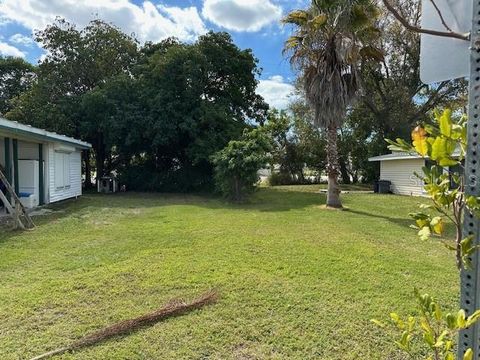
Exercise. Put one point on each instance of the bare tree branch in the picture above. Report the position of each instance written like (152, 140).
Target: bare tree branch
(444, 23)
(405, 23)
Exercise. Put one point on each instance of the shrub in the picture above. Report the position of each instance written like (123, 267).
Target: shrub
(237, 165)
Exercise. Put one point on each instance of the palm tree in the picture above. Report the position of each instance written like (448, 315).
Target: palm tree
(330, 40)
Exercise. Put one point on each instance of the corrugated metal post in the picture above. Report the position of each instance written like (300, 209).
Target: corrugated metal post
(470, 286)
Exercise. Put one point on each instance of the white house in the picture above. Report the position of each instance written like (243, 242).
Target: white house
(399, 168)
(42, 166)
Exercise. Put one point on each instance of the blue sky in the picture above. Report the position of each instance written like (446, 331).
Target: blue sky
(253, 24)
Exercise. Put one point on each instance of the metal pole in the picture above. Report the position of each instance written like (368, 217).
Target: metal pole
(470, 287)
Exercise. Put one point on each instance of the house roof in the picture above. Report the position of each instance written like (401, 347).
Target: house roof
(15, 128)
(395, 156)
(399, 155)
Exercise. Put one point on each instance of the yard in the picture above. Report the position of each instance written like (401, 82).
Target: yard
(297, 281)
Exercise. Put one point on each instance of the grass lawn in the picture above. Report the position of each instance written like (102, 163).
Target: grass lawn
(296, 281)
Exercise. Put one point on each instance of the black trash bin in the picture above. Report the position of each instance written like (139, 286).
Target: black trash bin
(375, 186)
(384, 186)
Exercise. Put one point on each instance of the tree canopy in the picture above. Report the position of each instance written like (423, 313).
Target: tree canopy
(161, 109)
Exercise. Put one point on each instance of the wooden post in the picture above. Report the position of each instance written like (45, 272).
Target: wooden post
(19, 211)
(16, 176)
(41, 175)
(8, 160)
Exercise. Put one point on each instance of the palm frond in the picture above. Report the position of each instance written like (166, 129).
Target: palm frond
(318, 21)
(296, 17)
(329, 41)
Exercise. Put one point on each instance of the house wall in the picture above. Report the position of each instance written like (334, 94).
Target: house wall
(74, 188)
(401, 174)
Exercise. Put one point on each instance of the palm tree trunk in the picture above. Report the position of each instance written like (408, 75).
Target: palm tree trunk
(333, 193)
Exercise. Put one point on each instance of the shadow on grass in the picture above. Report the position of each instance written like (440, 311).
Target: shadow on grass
(398, 221)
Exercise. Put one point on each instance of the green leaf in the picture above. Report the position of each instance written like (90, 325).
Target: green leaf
(472, 319)
(468, 355)
(461, 319)
(451, 321)
(445, 122)
(437, 225)
(397, 321)
(439, 148)
(447, 162)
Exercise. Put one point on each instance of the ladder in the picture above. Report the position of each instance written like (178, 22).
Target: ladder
(15, 208)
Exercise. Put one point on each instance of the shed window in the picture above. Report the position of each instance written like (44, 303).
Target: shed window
(62, 170)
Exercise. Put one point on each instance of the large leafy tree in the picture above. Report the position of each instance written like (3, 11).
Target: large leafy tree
(330, 40)
(77, 62)
(197, 98)
(183, 103)
(16, 76)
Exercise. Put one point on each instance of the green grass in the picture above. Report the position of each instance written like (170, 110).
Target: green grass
(297, 281)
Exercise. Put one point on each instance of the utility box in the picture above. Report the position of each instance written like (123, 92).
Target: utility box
(384, 186)
(108, 184)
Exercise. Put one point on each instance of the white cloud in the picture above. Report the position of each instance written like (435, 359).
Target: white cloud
(21, 40)
(241, 15)
(9, 50)
(146, 21)
(276, 92)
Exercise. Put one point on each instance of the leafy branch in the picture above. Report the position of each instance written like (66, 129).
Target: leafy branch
(435, 328)
(444, 143)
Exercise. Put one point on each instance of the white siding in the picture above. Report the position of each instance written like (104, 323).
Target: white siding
(74, 164)
(401, 174)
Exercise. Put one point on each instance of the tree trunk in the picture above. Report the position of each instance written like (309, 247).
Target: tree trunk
(88, 170)
(333, 193)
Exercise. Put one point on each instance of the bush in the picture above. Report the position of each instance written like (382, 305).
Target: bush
(237, 165)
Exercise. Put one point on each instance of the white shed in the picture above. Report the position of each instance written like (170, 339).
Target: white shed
(42, 166)
(400, 168)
